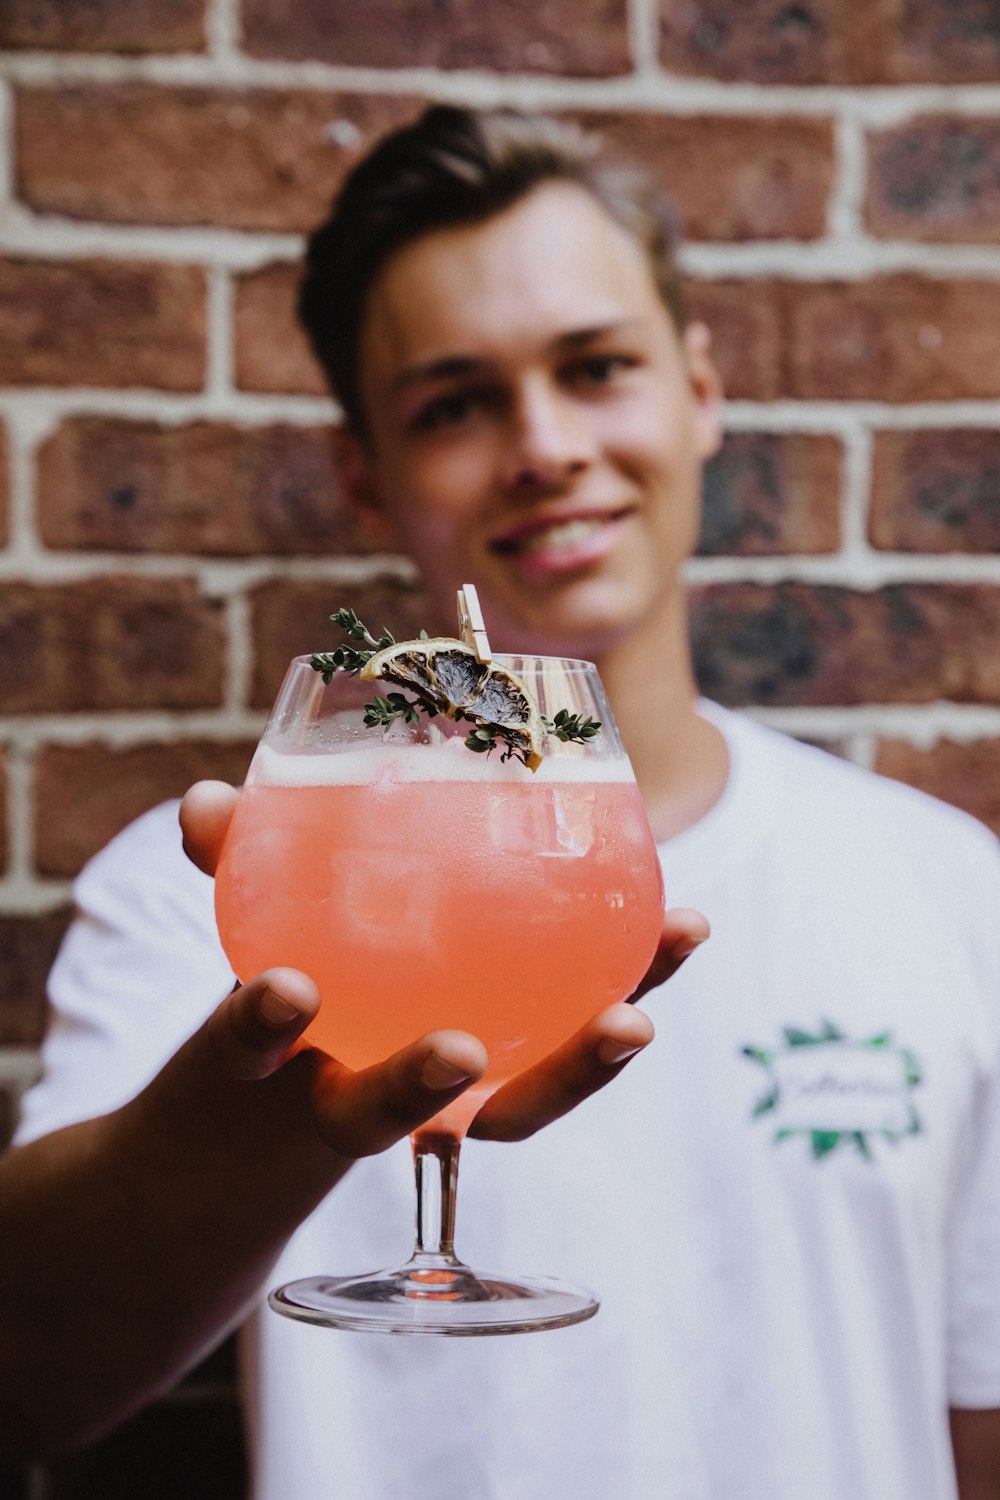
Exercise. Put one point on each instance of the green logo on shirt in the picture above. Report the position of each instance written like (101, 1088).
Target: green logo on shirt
(837, 1092)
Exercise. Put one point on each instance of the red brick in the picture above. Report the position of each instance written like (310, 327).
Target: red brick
(733, 177)
(104, 25)
(101, 323)
(243, 158)
(936, 178)
(4, 487)
(290, 617)
(966, 774)
(946, 41)
(832, 41)
(772, 493)
(895, 338)
(202, 487)
(797, 644)
(770, 41)
(902, 337)
(272, 352)
(570, 37)
(936, 491)
(85, 794)
(27, 947)
(109, 643)
(747, 324)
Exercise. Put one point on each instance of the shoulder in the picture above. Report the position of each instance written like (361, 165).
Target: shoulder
(818, 790)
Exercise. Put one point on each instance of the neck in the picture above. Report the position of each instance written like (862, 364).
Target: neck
(679, 759)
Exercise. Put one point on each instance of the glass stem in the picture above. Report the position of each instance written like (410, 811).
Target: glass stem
(435, 1160)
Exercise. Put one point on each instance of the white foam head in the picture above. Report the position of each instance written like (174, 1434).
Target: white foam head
(450, 761)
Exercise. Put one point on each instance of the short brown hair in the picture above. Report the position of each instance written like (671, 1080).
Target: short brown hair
(459, 166)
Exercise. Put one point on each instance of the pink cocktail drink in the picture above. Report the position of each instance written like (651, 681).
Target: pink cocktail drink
(421, 886)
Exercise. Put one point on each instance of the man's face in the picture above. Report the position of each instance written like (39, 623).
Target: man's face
(536, 425)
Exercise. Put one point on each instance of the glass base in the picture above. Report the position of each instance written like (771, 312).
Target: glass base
(442, 1298)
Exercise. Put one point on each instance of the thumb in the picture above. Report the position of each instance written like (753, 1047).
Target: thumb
(255, 1028)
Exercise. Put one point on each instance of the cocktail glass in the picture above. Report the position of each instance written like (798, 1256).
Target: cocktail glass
(423, 886)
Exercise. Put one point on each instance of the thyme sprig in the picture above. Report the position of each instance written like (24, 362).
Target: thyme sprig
(347, 658)
(381, 712)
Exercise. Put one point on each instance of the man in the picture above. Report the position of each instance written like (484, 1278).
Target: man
(792, 1207)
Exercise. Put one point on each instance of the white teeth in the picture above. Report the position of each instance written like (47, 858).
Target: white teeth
(564, 535)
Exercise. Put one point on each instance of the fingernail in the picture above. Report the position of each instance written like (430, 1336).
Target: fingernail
(275, 1011)
(438, 1074)
(610, 1052)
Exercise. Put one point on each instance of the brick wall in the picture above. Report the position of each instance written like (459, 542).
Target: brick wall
(168, 531)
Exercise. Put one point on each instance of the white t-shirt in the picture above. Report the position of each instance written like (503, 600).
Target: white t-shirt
(790, 1205)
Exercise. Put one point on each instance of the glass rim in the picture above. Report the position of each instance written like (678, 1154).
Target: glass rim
(575, 662)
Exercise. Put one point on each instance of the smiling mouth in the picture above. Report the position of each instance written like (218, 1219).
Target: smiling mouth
(559, 536)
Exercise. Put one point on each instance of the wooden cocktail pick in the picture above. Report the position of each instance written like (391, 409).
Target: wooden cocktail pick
(471, 625)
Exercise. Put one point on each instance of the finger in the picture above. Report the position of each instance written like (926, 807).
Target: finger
(255, 1028)
(360, 1113)
(577, 1069)
(683, 931)
(205, 816)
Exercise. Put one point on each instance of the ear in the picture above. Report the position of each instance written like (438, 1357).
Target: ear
(353, 470)
(706, 386)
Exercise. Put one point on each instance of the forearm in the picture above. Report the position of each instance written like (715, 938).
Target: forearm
(131, 1243)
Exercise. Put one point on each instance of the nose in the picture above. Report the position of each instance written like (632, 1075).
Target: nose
(551, 441)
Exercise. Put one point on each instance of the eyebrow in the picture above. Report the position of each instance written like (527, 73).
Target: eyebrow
(457, 366)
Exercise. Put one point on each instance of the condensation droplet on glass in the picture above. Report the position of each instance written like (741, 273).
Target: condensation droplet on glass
(343, 133)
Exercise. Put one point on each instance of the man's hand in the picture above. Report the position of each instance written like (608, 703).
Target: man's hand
(257, 1028)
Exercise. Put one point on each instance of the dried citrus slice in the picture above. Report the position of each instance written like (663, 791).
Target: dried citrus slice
(450, 678)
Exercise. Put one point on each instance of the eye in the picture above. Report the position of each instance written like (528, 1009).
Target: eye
(451, 409)
(600, 369)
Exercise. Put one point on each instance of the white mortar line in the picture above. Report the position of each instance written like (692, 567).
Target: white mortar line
(48, 236)
(6, 151)
(222, 29)
(878, 104)
(862, 570)
(216, 577)
(922, 724)
(19, 1066)
(855, 493)
(31, 896)
(26, 429)
(861, 749)
(219, 330)
(842, 416)
(854, 259)
(644, 35)
(844, 206)
(167, 407)
(20, 813)
(122, 729)
(239, 653)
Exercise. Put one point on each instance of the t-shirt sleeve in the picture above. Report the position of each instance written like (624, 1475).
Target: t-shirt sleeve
(140, 969)
(973, 1369)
